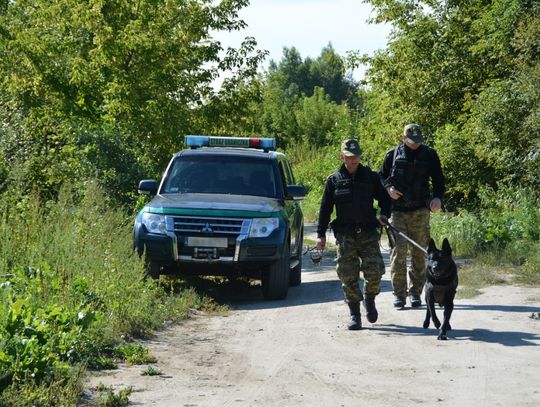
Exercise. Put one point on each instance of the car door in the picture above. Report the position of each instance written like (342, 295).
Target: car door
(293, 211)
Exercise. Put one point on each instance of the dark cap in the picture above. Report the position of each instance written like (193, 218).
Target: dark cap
(414, 132)
(351, 147)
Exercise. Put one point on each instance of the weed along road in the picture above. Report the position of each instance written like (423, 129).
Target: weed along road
(298, 352)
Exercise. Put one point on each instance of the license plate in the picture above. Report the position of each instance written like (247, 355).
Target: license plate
(206, 242)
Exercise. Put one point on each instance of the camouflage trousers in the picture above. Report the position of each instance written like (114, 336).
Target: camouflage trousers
(415, 225)
(355, 252)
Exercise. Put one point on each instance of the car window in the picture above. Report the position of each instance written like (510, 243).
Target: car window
(290, 175)
(285, 176)
(221, 175)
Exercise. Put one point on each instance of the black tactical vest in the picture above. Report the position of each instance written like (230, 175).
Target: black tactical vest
(412, 177)
(353, 199)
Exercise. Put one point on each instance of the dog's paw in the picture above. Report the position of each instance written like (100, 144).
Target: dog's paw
(437, 324)
(426, 324)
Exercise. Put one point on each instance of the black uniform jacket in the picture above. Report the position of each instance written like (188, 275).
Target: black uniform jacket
(410, 171)
(352, 196)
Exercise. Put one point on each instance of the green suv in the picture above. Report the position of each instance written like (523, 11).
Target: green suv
(226, 206)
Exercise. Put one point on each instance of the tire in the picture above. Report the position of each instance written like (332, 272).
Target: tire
(295, 278)
(275, 279)
(153, 270)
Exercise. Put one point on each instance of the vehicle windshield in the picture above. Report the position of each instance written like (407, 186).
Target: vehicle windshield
(221, 175)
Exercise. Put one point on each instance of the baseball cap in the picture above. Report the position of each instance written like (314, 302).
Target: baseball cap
(350, 147)
(414, 132)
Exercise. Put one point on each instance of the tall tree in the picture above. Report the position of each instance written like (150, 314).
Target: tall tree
(328, 72)
(453, 66)
(138, 68)
(311, 100)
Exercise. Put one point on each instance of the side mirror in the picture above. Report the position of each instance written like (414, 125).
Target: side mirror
(148, 187)
(295, 192)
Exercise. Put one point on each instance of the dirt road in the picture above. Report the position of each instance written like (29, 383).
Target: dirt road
(297, 352)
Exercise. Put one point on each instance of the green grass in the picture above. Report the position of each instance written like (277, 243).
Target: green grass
(134, 354)
(309, 242)
(502, 240)
(311, 167)
(70, 289)
(109, 398)
(57, 392)
(151, 371)
(474, 277)
(500, 266)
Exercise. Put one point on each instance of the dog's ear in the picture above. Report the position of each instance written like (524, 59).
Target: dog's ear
(446, 246)
(431, 246)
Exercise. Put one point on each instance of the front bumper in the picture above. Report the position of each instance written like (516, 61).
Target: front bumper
(173, 248)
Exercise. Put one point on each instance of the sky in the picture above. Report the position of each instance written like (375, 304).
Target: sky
(309, 25)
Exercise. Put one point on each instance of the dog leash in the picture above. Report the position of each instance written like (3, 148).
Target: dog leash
(403, 235)
(315, 254)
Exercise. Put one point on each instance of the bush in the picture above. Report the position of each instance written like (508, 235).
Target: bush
(464, 231)
(70, 288)
(311, 167)
(506, 231)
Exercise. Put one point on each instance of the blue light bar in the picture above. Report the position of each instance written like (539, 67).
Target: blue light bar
(245, 142)
(196, 141)
(266, 143)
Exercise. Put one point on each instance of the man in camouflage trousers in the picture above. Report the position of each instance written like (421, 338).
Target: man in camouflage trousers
(406, 173)
(351, 190)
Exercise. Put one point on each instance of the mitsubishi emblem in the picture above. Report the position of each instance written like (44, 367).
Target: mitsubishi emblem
(207, 228)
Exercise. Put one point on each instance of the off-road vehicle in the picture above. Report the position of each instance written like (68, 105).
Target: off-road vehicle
(225, 206)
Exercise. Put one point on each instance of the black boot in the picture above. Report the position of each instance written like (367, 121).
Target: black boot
(371, 311)
(355, 323)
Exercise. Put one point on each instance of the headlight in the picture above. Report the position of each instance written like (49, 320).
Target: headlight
(262, 227)
(154, 223)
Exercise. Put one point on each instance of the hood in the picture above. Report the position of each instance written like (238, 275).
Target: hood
(211, 203)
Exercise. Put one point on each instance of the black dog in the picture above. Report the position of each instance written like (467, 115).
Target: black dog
(441, 285)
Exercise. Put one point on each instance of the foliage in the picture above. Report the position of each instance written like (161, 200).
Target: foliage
(328, 71)
(57, 392)
(505, 232)
(321, 122)
(506, 216)
(134, 354)
(311, 167)
(95, 94)
(71, 287)
(151, 371)
(308, 101)
(37, 341)
(468, 72)
(109, 398)
(473, 277)
(134, 72)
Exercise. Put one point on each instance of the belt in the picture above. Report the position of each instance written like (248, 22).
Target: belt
(354, 230)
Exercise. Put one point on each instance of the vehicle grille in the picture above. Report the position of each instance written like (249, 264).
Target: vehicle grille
(231, 228)
(195, 226)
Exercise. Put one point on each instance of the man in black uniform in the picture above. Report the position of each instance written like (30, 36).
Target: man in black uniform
(351, 189)
(406, 173)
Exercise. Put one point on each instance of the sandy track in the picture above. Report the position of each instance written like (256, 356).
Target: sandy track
(297, 352)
